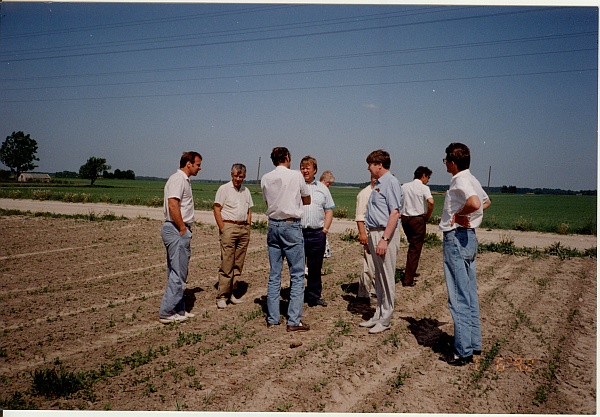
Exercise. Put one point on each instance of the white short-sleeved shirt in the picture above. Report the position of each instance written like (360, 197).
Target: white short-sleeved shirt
(178, 186)
(320, 200)
(234, 204)
(462, 186)
(283, 190)
(361, 203)
(416, 195)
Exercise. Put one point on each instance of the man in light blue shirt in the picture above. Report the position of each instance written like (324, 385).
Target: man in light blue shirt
(316, 221)
(383, 214)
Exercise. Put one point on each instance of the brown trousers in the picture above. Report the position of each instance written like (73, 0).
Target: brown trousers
(415, 228)
(234, 241)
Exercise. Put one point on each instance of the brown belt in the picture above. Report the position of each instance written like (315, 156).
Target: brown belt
(234, 222)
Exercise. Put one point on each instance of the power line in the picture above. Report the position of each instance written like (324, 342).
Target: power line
(273, 74)
(282, 89)
(280, 37)
(319, 58)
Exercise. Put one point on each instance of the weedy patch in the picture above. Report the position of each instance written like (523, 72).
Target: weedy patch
(349, 235)
(56, 383)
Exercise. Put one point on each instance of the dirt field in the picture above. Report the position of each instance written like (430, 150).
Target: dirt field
(84, 296)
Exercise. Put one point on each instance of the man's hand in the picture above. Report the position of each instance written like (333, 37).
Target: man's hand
(382, 246)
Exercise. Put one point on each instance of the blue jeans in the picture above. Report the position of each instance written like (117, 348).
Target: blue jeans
(460, 250)
(285, 239)
(178, 258)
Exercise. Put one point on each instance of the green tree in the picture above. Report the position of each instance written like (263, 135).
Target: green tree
(18, 152)
(92, 169)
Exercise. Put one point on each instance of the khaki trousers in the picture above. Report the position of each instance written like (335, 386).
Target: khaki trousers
(385, 271)
(234, 240)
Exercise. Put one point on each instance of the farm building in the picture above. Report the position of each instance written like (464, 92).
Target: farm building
(34, 177)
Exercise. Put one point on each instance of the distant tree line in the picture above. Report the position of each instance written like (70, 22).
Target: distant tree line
(120, 175)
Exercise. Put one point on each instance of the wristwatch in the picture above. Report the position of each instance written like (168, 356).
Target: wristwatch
(387, 239)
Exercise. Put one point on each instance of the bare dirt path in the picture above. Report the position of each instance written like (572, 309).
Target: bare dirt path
(521, 239)
(82, 296)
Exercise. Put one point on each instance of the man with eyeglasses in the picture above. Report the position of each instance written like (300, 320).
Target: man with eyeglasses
(462, 214)
(416, 211)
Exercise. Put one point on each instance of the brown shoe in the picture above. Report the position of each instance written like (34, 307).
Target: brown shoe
(302, 327)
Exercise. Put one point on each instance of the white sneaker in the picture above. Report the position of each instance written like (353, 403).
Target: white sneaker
(189, 315)
(221, 303)
(378, 328)
(172, 319)
(368, 323)
(235, 300)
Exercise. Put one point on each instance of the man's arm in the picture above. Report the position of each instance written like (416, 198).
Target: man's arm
(218, 217)
(429, 208)
(487, 203)
(328, 220)
(249, 216)
(175, 213)
(389, 230)
(306, 200)
(462, 216)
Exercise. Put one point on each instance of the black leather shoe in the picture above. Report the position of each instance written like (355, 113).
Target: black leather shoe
(317, 303)
(453, 361)
(476, 352)
(269, 325)
(411, 284)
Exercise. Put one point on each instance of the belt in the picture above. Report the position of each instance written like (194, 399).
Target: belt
(375, 229)
(244, 223)
(316, 229)
(289, 220)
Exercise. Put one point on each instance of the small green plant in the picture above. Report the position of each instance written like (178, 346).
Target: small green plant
(340, 212)
(392, 339)
(261, 225)
(284, 407)
(432, 240)
(190, 370)
(398, 381)
(349, 235)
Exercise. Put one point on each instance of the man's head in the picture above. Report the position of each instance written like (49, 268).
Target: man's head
(379, 162)
(422, 173)
(190, 163)
(238, 174)
(308, 168)
(458, 157)
(327, 178)
(281, 156)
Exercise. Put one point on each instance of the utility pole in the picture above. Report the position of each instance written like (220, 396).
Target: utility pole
(258, 172)
(489, 176)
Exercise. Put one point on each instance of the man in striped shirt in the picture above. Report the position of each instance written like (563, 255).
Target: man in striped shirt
(316, 221)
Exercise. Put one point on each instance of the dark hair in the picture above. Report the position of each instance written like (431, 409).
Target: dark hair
(188, 157)
(238, 168)
(279, 154)
(460, 154)
(420, 171)
(380, 157)
(309, 160)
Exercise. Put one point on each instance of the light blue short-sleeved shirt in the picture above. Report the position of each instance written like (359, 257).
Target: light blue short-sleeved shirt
(387, 195)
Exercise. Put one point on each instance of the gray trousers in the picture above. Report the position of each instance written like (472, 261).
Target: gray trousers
(178, 258)
(385, 270)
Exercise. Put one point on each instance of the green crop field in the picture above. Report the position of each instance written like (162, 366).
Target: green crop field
(545, 213)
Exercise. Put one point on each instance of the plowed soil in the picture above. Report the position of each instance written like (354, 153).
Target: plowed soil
(82, 297)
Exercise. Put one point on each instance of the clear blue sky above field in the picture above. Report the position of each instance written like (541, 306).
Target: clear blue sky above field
(138, 84)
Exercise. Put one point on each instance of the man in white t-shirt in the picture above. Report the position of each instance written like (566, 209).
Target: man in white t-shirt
(416, 211)
(178, 210)
(462, 214)
(285, 193)
(233, 216)
(366, 283)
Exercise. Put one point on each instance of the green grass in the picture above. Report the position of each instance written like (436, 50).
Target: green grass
(545, 213)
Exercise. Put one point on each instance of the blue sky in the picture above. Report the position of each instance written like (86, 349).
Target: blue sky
(138, 84)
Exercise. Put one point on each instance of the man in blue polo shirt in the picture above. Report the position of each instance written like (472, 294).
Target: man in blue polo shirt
(383, 214)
